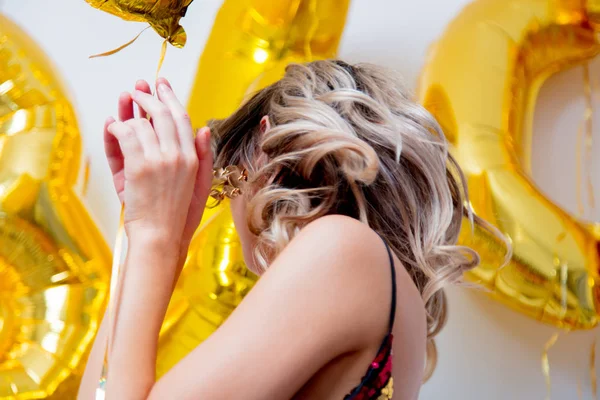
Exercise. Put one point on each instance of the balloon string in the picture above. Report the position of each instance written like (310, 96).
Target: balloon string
(118, 49)
(86, 177)
(589, 112)
(593, 369)
(578, 183)
(546, 364)
(585, 130)
(564, 290)
(163, 53)
(563, 268)
(113, 305)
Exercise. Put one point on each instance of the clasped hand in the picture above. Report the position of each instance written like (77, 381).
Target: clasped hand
(161, 173)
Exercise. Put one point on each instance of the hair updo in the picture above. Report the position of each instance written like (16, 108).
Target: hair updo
(348, 139)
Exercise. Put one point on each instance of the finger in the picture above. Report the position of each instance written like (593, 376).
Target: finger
(146, 135)
(180, 116)
(125, 107)
(143, 86)
(165, 81)
(205, 166)
(133, 152)
(164, 126)
(114, 155)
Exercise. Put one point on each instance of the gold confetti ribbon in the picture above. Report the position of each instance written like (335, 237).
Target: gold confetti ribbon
(593, 369)
(163, 50)
(86, 177)
(163, 53)
(589, 138)
(578, 173)
(546, 364)
(118, 49)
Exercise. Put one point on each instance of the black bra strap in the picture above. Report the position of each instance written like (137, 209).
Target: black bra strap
(393, 268)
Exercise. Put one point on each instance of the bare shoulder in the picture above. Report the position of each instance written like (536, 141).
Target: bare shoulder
(351, 247)
(356, 251)
(326, 295)
(357, 268)
(338, 232)
(343, 265)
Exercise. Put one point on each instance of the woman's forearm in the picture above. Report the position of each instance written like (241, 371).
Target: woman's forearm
(95, 361)
(148, 276)
(163, 176)
(93, 367)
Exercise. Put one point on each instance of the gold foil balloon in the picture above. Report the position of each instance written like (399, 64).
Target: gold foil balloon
(212, 284)
(481, 81)
(250, 44)
(54, 264)
(256, 38)
(162, 15)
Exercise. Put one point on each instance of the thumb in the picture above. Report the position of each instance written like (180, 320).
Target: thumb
(112, 148)
(205, 167)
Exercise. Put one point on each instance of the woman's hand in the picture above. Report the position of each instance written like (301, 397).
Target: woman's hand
(161, 173)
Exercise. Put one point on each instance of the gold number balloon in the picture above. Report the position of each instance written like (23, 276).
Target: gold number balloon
(250, 44)
(162, 15)
(252, 38)
(54, 264)
(481, 81)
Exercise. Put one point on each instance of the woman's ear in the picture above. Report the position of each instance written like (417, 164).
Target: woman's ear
(265, 124)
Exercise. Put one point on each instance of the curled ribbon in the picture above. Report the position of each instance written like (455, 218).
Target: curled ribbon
(163, 51)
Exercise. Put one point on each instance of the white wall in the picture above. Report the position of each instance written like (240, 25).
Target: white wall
(486, 351)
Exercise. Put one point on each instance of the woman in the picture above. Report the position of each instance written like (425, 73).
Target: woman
(350, 214)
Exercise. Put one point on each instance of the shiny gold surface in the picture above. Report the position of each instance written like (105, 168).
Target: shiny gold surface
(251, 43)
(54, 263)
(481, 81)
(162, 15)
(212, 284)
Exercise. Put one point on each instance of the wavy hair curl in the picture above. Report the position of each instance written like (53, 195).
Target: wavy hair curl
(348, 139)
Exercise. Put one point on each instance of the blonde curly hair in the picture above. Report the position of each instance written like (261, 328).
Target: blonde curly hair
(348, 139)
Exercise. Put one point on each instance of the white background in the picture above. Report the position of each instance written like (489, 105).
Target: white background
(486, 351)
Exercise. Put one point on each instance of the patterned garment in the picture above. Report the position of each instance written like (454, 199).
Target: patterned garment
(378, 383)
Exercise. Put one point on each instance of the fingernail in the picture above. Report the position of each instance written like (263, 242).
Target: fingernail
(205, 133)
(203, 142)
(162, 88)
(164, 81)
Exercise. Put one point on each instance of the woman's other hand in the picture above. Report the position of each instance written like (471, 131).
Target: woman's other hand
(161, 173)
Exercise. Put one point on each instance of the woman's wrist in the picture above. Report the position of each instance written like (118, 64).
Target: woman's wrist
(153, 259)
(160, 244)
